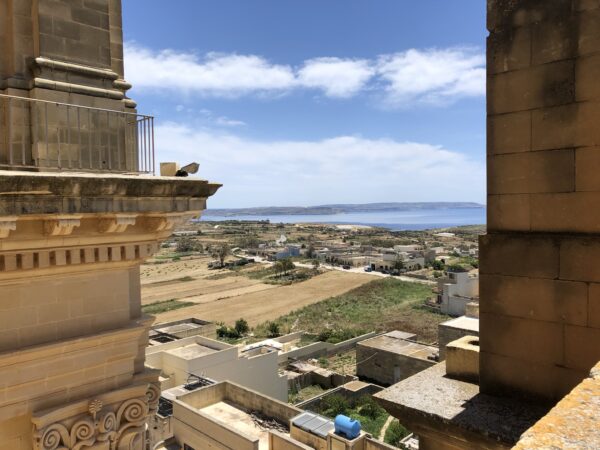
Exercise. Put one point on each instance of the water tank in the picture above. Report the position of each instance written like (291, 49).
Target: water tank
(347, 427)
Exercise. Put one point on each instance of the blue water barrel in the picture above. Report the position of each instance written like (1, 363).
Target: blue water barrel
(347, 427)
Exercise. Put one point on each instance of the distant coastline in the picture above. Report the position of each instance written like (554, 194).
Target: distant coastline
(328, 210)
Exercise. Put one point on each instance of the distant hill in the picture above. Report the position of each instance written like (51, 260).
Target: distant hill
(337, 209)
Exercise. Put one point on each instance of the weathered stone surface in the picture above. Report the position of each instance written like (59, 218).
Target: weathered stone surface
(509, 133)
(535, 299)
(509, 212)
(572, 423)
(457, 410)
(532, 172)
(462, 359)
(53, 193)
(519, 255)
(542, 86)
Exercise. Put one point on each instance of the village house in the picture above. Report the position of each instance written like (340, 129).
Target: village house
(456, 290)
(196, 355)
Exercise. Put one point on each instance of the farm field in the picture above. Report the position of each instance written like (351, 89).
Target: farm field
(236, 295)
(384, 304)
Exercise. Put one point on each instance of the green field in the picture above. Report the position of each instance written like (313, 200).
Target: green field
(167, 305)
(380, 305)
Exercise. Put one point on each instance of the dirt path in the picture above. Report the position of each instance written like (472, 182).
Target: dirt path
(270, 303)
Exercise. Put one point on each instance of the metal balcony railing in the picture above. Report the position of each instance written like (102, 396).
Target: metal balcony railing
(44, 135)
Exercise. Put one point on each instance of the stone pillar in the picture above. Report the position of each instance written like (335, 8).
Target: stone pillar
(540, 261)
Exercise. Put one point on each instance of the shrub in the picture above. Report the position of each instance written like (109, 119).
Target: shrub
(241, 326)
(333, 405)
(437, 265)
(369, 408)
(186, 244)
(395, 433)
(227, 332)
(273, 330)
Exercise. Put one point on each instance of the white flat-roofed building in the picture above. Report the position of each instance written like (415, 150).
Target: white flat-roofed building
(256, 369)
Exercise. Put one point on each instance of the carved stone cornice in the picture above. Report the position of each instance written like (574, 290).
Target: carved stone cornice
(116, 224)
(76, 256)
(165, 222)
(61, 225)
(7, 224)
(115, 420)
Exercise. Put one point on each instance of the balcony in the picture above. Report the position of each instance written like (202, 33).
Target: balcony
(41, 135)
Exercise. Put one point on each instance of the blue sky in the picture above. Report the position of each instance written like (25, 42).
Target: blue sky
(312, 102)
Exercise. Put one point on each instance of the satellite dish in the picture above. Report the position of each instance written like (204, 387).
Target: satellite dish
(191, 168)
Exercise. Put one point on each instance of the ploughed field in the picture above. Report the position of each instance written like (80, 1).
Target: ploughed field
(182, 289)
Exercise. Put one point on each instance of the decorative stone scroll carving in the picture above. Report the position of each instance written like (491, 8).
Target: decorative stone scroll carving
(119, 426)
(116, 224)
(163, 222)
(7, 224)
(61, 225)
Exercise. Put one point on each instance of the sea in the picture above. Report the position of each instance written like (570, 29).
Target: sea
(421, 219)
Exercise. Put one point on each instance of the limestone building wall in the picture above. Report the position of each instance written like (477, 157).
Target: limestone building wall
(385, 367)
(72, 333)
(540, 278)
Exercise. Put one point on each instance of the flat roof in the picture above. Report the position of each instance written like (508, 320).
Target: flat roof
(177, 328)
(463, 323)
(241, 420)
(191, 351)
(389, 343)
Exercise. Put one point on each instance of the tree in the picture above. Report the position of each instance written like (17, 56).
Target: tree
(316, 264)
(186, 244)
(221, 252)
(310, 251)
(398, 264)
(241, 326)
(437, 265)
(287, 264)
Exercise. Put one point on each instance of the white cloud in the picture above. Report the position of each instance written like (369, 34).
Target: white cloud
(215, 74)
(434, 77)
(341, 169)
(335, 76)
(227, 122)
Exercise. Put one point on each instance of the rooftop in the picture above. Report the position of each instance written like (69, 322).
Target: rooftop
(191, 351)
(389, 342)
(249, 423)
(463, 323)
(572, 423)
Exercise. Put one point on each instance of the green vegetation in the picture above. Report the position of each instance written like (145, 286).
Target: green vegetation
(371, 416)
(220, 252)
(380, 305)
(395, 433)
(304, 394)
(469, 262)
(241, 326)
(167, 305)
(186, 244)
(273, 330)
(282, 273)
(172, 256)
(239, 330)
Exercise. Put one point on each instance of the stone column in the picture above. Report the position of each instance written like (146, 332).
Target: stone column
(540, 261)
